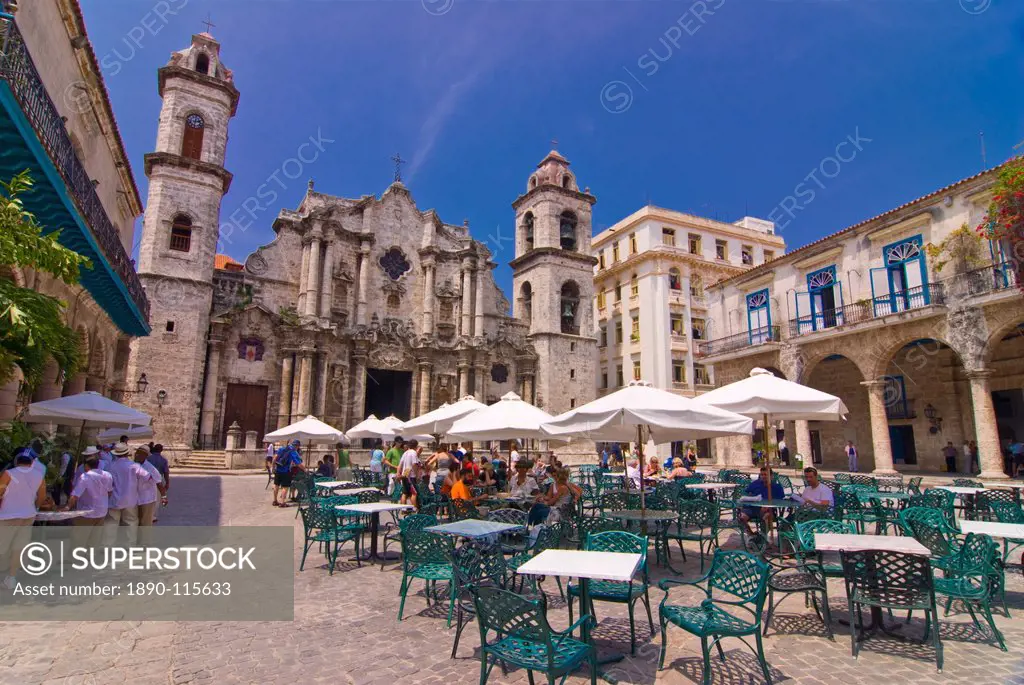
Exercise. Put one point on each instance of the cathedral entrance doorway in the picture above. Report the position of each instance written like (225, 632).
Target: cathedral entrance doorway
(246, 404)
(388, 392)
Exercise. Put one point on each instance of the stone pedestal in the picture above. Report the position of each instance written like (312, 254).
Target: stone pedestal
(234, 441)
(251, 438)
(990, 456)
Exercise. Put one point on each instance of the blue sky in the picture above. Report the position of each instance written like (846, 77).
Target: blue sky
(721, 108)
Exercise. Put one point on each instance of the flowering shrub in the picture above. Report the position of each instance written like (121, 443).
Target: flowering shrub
(1005, 217)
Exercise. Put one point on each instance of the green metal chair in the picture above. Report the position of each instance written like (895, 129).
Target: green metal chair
(320, 527)
(548, 537)
(913, 485)
(798, 572)
(974, 577)
(784, 481)
(697, 522)
(615, 500)
(576, 532)
(515, 541)
(461, 509)
(929, 527)
(734, 589)
(943, 500)
(889, 580)
(842, 478)
(967, 483)
(805, 533)
(427, 557)
(393, 533)
(787, 526)
(618, 592)
(861, 479)
(524, 638)
(1008, 513)
(984, 500)
(475, 566)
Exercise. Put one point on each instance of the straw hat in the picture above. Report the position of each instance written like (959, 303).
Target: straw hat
(89, 451)
(121, 449)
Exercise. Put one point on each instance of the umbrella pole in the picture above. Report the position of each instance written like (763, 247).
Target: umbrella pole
(78, 452)
(767, 442)
(640, 451)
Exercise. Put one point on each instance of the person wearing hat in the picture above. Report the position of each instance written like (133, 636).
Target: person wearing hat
(91, 492)
(124, 501)
(287, 457)
(89, 451)
(150, 490)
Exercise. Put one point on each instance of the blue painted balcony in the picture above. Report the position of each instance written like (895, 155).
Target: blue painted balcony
(33, 137)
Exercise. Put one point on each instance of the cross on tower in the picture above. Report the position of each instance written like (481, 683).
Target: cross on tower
(397, 159)
(209, 24)
(554, 143)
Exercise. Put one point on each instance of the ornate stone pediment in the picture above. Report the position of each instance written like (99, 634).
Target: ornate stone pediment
(447, 289)
(389, 331)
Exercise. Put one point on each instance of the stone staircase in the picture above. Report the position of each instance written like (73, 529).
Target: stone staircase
(203, 459)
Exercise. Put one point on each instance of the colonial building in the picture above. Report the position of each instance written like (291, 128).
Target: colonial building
(358, 306)
(56, 121)
(908, 317)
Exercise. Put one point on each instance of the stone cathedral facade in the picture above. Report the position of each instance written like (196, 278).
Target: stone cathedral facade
(357, 306)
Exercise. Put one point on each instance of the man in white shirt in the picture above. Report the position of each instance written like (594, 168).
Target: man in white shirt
(816, 494)
(91, 493)
(513, 456)
(149, 490)
(124, 501)
(408, 471)
(106, 458)
(633, 473)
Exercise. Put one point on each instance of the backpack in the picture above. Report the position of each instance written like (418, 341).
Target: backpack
(283, 461)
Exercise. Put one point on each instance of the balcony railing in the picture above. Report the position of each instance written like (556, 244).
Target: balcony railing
(865, 310)
(751, 338)
(900, 409)
(988, 279)
(19, 72)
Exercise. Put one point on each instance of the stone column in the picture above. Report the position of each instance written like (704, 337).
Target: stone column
(284, 407)
(9, 399)
(327, 282)
(320, 410)
(803, 442)
(206, 419)
(480, 391)
(528, 390)
(313, 282)
(48, 389)
(305, 378)
(463, 380)
(990, 456)
(478, 326)
(467, 299)
(363, 279)
(879, 426)
(428, 298)
(75, 385)
(300, 304)
(359, 388)
(424, 405)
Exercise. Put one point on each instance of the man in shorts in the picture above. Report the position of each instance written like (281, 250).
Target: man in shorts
(287, 457)
(409, 472)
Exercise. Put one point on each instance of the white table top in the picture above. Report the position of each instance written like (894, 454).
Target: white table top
(835, 542)
(710, 486)
(354, 491)
(1016, 485)
(63, 515)
(571, 563)
(959, 490)
(336, 484)
(374, 507)
(995, 529)
(474, 528)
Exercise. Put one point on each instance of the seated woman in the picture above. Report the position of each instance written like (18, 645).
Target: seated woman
(653, 469)
(487, 478)
(560, 499)
(679, 470)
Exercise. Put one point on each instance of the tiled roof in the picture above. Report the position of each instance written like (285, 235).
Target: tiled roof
(800, 250)
(222, 262)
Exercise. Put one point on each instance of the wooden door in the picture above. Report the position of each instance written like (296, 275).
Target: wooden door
(246, 404)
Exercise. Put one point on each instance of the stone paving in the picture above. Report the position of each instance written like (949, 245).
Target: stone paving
(345, 631)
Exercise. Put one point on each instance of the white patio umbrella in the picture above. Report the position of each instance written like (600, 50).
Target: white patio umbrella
(440, 420)
(113, 434)
(625, 414)
(509, 419)
(311, 430)
(763, 394)
(86, 410)
(383, 429)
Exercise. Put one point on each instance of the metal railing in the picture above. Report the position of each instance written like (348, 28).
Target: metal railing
(865, 310)
(987, 279)
(900, 409)
(751, 338)
(20, 74)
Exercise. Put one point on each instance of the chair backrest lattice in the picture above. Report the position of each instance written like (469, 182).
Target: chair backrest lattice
(967, 483)
(806, 530)
(895, 579)
(985, 500)
(842, 478)
(463, 509)
(511, 615)
(508, 515)
(617, 541)
(368, 496)
(416, 522)
(478, 564)
(1007, 512)
(861, 479)
(914, 485)
(615, 500)
(318, 518)
(698, 513)
(739, 574)
(421, 547)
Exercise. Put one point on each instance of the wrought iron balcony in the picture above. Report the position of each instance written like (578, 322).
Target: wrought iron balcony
(988, 279)
(91, 233)
(865, 310)
(900, 409)
(752, 338)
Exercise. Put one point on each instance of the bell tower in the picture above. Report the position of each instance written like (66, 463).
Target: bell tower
(553, 283)
(187, 181)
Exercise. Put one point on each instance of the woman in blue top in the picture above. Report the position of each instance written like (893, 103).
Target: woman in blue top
(377, 459)
(767, 489)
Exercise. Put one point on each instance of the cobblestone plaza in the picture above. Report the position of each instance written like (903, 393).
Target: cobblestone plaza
(346, 631)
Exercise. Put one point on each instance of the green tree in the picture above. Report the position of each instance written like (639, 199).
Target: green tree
(32, 327)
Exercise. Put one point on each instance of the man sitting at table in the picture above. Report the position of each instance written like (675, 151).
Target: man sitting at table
(816, 494)
(460, 490)
(765, 488)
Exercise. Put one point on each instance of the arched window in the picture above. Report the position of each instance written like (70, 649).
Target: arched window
(526, 303)
(192, 140)
(533, 182)
(528, 230)
(567, 230)
(569, 309)
(696, 286)
(203, 63)
(675, 281)
(181, 233)
(566, 181)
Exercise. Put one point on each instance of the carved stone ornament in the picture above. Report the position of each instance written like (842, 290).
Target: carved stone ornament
(446, 289)
(256, 264)
(387, 356)
(250, 349)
